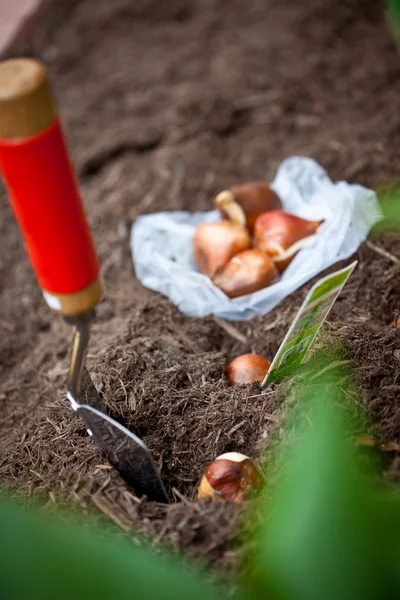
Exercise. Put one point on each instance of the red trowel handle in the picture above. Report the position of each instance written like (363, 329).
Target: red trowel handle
(35, 166)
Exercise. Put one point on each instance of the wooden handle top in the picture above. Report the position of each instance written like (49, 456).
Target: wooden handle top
(26, 104)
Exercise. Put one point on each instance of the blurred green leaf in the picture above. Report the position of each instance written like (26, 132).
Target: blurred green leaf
(389, 200)
(324, 535)
(389, 510)
(393, 12)
(43, 558)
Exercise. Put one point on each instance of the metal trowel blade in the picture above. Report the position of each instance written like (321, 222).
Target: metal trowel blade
(126, 452)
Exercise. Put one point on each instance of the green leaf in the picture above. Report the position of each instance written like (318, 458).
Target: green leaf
(388, 505)
(389, 200)
(393, 12)
(43, 558)
(324, 535)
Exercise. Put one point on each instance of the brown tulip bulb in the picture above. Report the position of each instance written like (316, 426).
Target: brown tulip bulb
(214, 244)
(246, 273)
(395, 323)
(244, 203)
(281, 235)
(230, 476)
(247, 368)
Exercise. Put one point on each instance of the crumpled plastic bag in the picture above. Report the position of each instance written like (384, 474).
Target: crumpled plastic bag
(162, 243)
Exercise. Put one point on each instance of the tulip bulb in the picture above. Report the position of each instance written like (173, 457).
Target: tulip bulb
(214, 244)
(244, 203)
(395, 323)
(281, 235)
(246, 273)
(230, 476)
(247, 368)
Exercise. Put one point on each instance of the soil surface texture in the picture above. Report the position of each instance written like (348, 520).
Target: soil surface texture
(165, 104)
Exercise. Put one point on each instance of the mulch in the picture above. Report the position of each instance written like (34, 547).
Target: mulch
(165, 104)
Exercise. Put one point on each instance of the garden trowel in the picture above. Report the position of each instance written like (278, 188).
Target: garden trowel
(35, 166)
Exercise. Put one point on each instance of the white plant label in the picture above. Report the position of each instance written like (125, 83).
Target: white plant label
(307, 323)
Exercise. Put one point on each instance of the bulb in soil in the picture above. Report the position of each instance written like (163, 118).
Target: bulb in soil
(281, 235)
(245, 273)
(214, 244)
(244, 203)
(395, 323)
(230, 476)
(247, 368)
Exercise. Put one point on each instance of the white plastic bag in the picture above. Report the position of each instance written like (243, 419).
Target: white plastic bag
(162, 243)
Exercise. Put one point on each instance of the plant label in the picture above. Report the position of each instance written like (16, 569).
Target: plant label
(307, 323)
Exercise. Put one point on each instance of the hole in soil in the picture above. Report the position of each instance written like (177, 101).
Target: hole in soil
(187, 421)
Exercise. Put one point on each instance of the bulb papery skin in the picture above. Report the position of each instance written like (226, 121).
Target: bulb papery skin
(247, 368)
(245, 273)
(230, 476)
(242, 204)
(214, 244)
(281, 235)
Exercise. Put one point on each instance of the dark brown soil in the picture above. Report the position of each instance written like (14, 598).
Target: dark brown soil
(164, 104)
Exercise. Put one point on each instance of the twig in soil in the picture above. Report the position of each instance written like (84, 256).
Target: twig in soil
(256, 100)
(38, 475)
(382, 252)
(272, 418)
(180, 496)
(369, 442)
(266, 416)
(160, 535)
(260, 395)
(54, 425)
(147, 200)
(231, 330)
(236, 427)
(105, 508)
(7, 326)
(104, 485)
(132, 498)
